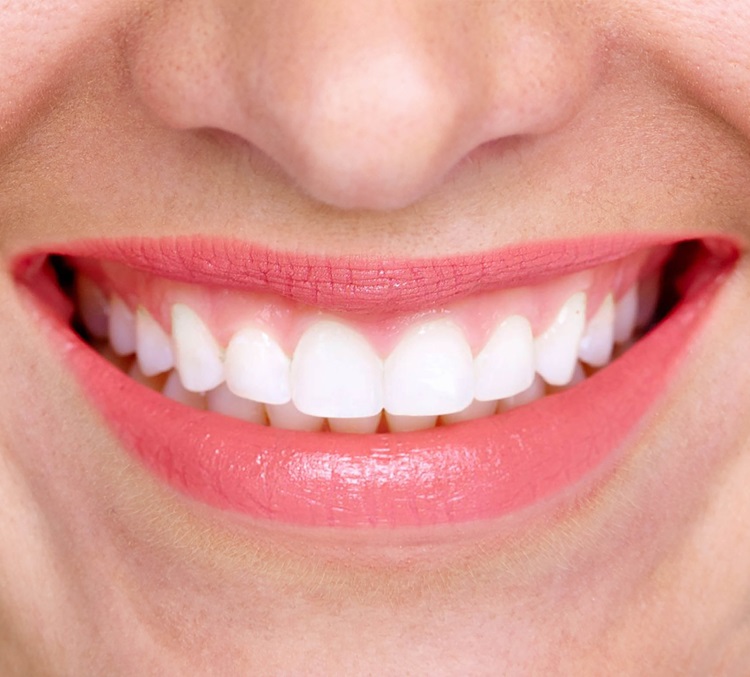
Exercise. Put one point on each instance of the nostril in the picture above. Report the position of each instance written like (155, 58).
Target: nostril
(362, 105)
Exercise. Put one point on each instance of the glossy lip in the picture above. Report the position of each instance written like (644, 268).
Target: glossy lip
(471, 471)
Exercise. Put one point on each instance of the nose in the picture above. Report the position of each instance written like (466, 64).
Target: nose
(368, 104)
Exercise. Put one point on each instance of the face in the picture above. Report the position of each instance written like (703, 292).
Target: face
(463, 214)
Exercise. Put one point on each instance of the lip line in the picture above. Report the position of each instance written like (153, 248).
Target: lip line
(477, 470)
(355, 284)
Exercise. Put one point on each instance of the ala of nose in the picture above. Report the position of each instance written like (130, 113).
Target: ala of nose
(360, 109)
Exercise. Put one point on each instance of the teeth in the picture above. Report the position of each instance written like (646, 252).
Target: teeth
(626, 314)
(506, 364)
(534, 392)
(174, 390)
(598, 339)
(153, 382)
(257, 368)
(287, 416)
(335, 379)
(430, 372)
(224, 401)
(336, 373)
(362, 426)
(152, 344)
(93, 307)
(197, 355)
(557, 348)
(477, 409)
(407, 424)
(121, 327)
(578, 375)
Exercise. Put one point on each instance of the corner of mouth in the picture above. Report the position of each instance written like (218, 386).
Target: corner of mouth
(395, 453)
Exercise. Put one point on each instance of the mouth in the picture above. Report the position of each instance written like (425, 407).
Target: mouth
(354, 392)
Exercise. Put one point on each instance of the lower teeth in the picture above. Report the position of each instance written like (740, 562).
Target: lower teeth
(222, 401)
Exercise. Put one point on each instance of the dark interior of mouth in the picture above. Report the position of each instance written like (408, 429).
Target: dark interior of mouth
(688, 263)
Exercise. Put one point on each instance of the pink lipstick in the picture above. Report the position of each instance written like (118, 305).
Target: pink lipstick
(467, 471)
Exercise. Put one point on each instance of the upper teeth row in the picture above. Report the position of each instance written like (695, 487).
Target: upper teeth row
(335, 373)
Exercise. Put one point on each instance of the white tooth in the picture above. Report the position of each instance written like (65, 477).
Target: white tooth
(93, 307)
(361, 426)
(336, 373)
(578, 375)
(174, 390)
(626, 314)
(407, 424)
(197, 355)
(506, 364)
(556, 349)
(477, 409)
(534, 392)
(153, 382)
(152, 344)
(224, 401)
(648, 299)
(287, 416)
(257, 368)
(430, 372)
(599, 337)
(121, 327)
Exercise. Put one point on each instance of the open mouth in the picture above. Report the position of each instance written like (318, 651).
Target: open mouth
(348, 394)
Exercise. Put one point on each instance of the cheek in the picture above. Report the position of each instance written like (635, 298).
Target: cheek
(39, 50)
(702, 47)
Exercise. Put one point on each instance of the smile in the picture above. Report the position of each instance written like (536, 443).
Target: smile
(352, 393)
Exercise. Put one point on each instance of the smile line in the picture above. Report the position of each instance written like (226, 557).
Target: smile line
(474, 470)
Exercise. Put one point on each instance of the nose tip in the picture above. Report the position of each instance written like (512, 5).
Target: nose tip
(363, 105)
(373, 132)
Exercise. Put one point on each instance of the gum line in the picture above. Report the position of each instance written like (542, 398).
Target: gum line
(225, 311)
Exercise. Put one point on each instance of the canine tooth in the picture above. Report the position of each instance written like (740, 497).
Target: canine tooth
(93, 307)
(336, 373)
(153, 346)
(599, 337)
(505, 366)
(224, 401)
(257, 368)
(407, 424)
(121, 327)
(287, 416)
(534, 392)
(174, 390)
(648, 299)
(430, 372)
(363, 426)
(477, 409)
(557, 348)
(197, 355)
(626, 314)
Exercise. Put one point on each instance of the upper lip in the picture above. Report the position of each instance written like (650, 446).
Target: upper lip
(354, 284)
(457, 473)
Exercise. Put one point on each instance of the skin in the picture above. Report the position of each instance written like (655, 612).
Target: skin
(380, 127)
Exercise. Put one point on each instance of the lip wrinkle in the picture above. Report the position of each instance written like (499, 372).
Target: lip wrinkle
(357, 284)
(476, 470)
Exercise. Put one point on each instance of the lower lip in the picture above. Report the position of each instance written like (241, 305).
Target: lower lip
(476, 470)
